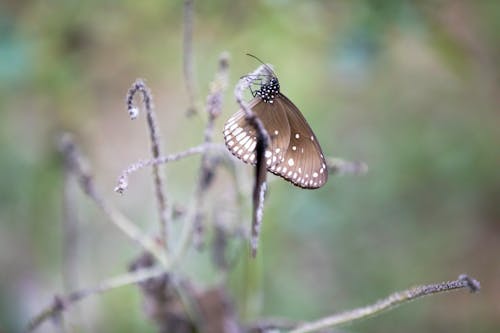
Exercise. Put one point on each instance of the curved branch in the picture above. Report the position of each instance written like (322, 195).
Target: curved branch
(140, 86)
(389, 302)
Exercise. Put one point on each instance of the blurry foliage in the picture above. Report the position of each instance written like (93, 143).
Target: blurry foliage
(410, 87)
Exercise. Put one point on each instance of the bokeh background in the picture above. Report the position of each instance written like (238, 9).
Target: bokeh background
(409, 87)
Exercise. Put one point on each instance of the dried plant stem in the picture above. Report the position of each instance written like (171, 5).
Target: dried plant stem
(75, 161)
(70, 230)
(262, 143)
(188, 61)
(161, 199)
(141, 164)
(61, 303)
(389, 302)
(187, 230)
(214, 109)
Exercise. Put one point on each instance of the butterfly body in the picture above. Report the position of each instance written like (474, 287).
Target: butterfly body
(293, 152)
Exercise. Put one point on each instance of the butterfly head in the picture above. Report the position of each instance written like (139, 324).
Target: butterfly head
(269, 91)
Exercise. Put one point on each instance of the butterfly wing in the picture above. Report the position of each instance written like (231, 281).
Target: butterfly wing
(304, 164)
(293, 153)
(240, 137)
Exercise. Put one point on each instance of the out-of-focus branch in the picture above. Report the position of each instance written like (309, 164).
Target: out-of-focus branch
(339, 166)
(61, 303)
(82, 173)
(389, 302)
(161, 198)
(214, 109)
(70, 229)
(188, 58)
(260, 165)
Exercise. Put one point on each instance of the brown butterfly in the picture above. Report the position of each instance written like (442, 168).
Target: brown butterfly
(293, 152)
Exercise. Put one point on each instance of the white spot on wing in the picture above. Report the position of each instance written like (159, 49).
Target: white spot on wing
(240, 136)
(297, 136)
(237, 131)
(291, 162)
(245, 140)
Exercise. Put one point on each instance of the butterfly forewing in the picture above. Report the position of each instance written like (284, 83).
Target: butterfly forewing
(240, 136)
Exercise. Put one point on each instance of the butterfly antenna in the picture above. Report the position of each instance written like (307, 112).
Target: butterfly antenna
(258, 59)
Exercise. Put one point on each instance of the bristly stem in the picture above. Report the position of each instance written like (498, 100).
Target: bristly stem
(141, 164)
(188, 61)
(161, 199)
(262, 143)
(389, 302)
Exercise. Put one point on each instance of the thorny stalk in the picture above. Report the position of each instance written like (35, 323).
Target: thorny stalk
(161, 199)
(389, 302)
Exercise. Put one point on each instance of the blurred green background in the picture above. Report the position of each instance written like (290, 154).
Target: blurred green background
(409, 87)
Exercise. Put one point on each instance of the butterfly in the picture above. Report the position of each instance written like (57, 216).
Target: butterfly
(293, 152)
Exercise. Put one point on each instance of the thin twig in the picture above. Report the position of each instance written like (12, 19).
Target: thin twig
(339, 166)
(141, 164)
(262, 143)
(82, 173)
(61, 303)
(389, 302)
(188, 62)
(70, 229)
(214, 109)
(161, 199)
